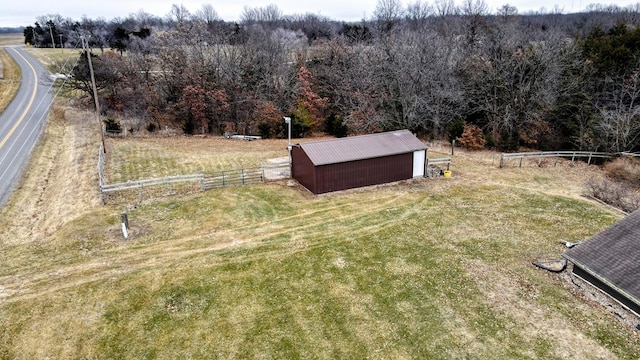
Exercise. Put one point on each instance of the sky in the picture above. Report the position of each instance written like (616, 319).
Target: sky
(16, 13)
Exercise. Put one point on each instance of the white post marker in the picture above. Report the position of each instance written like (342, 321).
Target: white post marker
(125, 233)
(124, 222)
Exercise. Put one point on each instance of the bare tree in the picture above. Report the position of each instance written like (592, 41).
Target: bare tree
(619, 121)
(417, 14)
(513, 82)
(445, 8)
(144, 19)
(416, 82)
(506, 11)
(270, 15)
(207, 14)
(445, 13)
(388, 13)
(475, 12)
(179, 14)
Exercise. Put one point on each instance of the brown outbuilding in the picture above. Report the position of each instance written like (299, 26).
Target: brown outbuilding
(357, 161)
(610, 261)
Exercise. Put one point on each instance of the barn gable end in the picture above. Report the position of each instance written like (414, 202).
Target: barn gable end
(609, 261)
(345, 163)
(303, 169)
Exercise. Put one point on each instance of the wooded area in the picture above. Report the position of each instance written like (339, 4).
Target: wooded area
(544, 80)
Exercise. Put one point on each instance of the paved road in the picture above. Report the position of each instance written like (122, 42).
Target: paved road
(22, 122)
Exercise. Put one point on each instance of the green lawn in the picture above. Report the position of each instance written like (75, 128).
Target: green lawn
(430, 269)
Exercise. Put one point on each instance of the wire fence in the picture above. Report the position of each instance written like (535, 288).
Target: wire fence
(540, 155)
(145, 189)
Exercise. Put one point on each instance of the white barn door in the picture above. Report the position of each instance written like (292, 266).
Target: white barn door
(418, 163)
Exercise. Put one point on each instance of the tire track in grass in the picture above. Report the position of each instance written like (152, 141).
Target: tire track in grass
(167, 252)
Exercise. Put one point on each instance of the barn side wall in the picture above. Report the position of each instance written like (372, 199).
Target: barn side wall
(353, 174)
(302, 169)
(607, 289)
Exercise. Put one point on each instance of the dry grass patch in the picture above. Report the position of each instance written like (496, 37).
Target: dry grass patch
(61, 184)
(544, 325)
(625, 169)
(11, 39)
(10, 81)
(52, 58)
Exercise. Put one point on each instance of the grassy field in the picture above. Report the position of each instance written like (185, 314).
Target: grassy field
(11, 39)
(56, 59)
(10, 81)
(435, 268)
(139, 158)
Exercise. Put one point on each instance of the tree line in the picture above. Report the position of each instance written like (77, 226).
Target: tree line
(543, 80)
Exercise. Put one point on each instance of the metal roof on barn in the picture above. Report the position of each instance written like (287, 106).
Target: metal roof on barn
(361, 147)
(613, 256)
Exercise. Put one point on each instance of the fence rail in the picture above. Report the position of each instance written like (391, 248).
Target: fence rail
(432, 168)
(589, 155)
(630, 154)
(233, 178)
(152, 182)
(170, 185)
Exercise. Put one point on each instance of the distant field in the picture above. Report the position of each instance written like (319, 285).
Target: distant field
(11, 39)
(53, 58)
(436, 268)
(10, 81)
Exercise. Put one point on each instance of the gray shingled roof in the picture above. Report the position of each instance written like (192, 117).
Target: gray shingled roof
(361, 147)
(613, 256)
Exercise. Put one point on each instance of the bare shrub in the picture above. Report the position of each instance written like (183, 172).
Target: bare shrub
(625, 169)
(618, 195)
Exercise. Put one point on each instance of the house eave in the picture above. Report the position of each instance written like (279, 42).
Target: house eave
(615, 288)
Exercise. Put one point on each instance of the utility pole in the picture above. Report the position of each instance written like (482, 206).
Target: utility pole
(95, 91)
(287, 120)
(53, 42)
(61, 45)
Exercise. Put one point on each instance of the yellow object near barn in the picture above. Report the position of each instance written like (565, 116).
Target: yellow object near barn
(447, 174)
